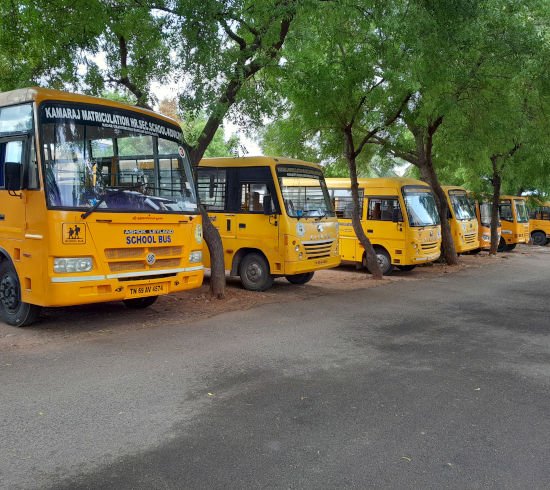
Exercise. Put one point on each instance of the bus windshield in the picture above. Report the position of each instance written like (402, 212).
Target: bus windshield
(521, 211)
(485, 209)
(109, 159)
(421, 207)
(461, 205)
(304, 191)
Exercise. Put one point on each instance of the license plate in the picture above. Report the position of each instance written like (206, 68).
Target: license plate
(147, 290)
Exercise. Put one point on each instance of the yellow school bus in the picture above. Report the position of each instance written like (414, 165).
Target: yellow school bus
(483, 214)
(515, 222)
(398, 215)
(274, 216)
(462, 218)
(539, 223)
(97, 203)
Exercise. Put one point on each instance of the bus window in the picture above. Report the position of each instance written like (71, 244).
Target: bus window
(343, 202)
(252, 197)
(521, 211)
(211, 184)
(505, 210)
(383, 209)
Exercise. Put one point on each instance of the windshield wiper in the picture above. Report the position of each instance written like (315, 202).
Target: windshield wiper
(101, 200)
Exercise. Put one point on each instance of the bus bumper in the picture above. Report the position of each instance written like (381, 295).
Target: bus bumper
(312, 265)
(71, 291)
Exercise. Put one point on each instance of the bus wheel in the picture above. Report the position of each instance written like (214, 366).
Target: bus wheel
(384, 261)
(539, 238)
(501, 245)
(509, 248)
(406, 268)
(254, 272)
(139, 303)
(300, 278)
(12, 310)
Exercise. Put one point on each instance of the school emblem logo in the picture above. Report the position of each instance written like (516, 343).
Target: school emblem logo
(151, 258)
(300, 229)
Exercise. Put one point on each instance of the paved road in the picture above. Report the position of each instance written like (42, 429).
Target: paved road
(443, 383)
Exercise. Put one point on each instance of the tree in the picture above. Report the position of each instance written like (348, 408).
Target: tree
(337, 93)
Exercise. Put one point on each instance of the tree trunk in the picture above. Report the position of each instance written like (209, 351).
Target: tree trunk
(496, 181)
(372, 259)
(215, 249)
(424, 145)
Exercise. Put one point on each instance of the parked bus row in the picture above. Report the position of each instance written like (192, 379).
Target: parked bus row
(98, 202)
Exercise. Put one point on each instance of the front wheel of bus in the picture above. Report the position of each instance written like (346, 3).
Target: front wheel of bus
(501, 245)
(140, 303)
(539, 238)
(299, 278)
(509, 248)
(13, 311)
(384, 261)
(254, 272)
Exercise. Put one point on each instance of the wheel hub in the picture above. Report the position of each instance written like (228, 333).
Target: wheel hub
(254, 272)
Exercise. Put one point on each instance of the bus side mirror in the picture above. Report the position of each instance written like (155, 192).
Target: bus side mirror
(268, 209)
(13, 176)
(396, 215)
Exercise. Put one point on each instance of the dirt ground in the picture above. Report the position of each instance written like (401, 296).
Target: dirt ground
(84, 323)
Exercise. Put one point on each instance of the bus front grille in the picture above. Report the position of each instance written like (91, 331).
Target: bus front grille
(139, 265)
(429, 246)
(318, 249)
(132, 253)
(134, 259)
(470, 238)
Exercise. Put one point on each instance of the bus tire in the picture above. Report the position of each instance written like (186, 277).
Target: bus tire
(384, 261)
(13, 311)
(406, 268)
(255, 273)
(539, 238)
(501, 245)
(509, 248)
(300, 278)
(139, 303)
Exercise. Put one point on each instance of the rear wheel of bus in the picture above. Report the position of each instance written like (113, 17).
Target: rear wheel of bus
(299, 278)
(140, 303)
(539, 238)
(13, 311)
(255, 273)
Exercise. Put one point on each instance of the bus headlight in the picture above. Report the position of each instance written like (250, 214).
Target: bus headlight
(486, 237)
(198, 233)
(195, 256)
(62, 265)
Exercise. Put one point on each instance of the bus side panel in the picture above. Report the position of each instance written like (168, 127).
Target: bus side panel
(350, 248)
(261, 232)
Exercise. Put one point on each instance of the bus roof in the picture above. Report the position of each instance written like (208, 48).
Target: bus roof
(513, 197)
(254, 161)
(394, 182)
(39, 94)
(448, 188)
